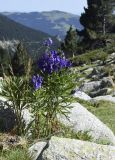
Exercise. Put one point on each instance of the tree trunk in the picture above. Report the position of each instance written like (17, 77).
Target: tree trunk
(104, 25)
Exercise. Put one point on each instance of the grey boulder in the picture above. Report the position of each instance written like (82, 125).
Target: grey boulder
(80, 119)
(71, 149)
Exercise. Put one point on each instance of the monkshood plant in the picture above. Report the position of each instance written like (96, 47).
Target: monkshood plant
(52, 86)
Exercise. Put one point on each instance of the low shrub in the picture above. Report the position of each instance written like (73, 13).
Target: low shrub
(90, 57)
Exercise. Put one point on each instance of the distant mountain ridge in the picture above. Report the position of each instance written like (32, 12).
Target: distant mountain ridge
(32, 39)
(10, 30)
(51, 22)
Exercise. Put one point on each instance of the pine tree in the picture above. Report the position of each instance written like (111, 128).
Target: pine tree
(69, 46)
(105, 15)
(20, 61)
(4, 61)
(96, 20)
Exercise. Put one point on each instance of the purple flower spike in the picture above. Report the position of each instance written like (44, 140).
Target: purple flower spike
(52, 62)
(48, 42)
(37, 81)
(68, 64)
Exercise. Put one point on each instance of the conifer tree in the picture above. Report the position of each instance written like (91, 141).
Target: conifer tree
(69, 46)
(105, 15)
(20, 60)
(96, 20)
(4, 61)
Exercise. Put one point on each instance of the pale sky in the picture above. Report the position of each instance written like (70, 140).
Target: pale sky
(72, 6)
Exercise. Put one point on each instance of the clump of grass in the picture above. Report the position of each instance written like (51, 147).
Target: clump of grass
(67, 132)
(15, 154)
(106, 113)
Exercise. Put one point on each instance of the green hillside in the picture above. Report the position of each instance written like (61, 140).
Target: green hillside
(12, 30)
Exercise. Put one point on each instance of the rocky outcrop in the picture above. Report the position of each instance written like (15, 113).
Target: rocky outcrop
(71, 149)
(97, 88)
(98, 79)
